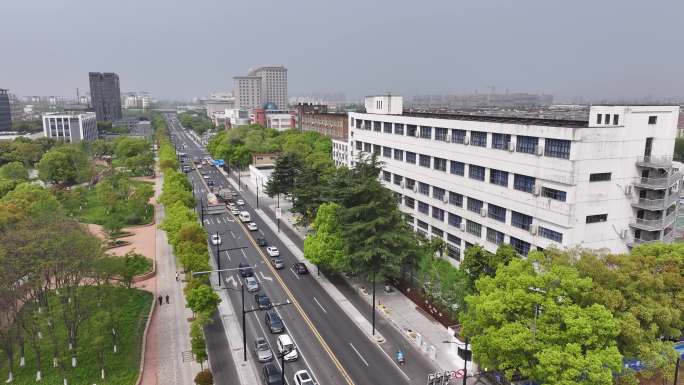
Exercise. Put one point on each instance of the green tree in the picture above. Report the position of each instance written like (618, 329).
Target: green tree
(284, 175)
(479, 262)
(64, 165)
(529, 322)
(204, 378)
(203, 300)
(326, 246)
(14, 170)
(197, 343)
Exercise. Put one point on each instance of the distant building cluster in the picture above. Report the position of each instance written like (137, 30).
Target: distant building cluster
(136, 100)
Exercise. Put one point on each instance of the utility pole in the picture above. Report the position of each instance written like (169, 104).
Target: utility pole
(465, 362)
(677, 369)
(373, 302)
(244, 329)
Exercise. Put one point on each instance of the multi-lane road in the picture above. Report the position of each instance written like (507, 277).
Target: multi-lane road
(331, 347)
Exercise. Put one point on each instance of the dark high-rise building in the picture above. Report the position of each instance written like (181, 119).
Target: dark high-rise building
(5, 117)
(105, 95)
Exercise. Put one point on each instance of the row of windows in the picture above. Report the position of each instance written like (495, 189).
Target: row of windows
(556, 148)
(498, 177)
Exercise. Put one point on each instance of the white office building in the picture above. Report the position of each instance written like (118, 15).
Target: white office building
(279, 120)
(607, 182)
(340, 152)
(70, 127)
(262, 85)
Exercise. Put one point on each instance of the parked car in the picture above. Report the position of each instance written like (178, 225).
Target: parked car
(234, 211)
(262, 351)
(252, 284)
(261, 241)
(302, 377)
(277, 263)
(273, 251)
(271, 375)
(286, 347)
(262, 301)
(215, 239)
(300, 268)
(274, 322)
(252, 226)
(245, 270)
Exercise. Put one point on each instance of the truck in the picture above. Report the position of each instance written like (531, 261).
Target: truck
(225, 194)
(214, 206)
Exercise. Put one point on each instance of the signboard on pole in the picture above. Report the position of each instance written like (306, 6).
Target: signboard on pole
(279, 213)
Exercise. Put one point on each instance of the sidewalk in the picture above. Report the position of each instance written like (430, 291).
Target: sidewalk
(423, 332)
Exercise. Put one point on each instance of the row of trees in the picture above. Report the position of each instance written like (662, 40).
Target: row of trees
(189, 241)
(132, 154)
(24, 150)
(197, 122)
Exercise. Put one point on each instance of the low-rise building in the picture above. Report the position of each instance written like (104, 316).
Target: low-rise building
(331, 125)
(605, 182)
(70, 127)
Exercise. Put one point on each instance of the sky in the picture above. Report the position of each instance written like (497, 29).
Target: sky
(593, 49)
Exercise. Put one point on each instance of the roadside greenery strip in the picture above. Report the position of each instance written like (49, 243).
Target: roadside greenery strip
(188, 238)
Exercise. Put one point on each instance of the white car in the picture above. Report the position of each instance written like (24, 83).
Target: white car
(205, 176)
(240, 202)
(252, 226)
(234, 211)
(272, 251)
(244, 216)
(302, 377)
(215, 239)
(286, 348)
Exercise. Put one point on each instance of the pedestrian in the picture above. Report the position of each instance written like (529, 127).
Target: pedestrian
(160, 300)
(177, 276)
(167, 298)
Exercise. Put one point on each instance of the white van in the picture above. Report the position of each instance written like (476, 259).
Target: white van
(244, 216)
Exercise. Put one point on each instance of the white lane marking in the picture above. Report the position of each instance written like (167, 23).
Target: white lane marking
(358, 354)
(228, 255)
(218, 220)
(231, 279)
(243, 253)
(267, 341)
(293, 273)
(319, 305)
(299, 351)
(265, 277)
(393, 361)
(232, 234)
(261, 232)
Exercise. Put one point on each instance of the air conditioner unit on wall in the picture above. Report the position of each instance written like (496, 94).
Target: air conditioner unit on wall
(511, 147)
(415, 187)
(628, 189)
(533, 229)
(466, 140)
(537, 190)
(445, 199)
(462, 226)
(403, 184)
(624, 233)
(483, 212)
(447, 139)
(416, 133)
(540, 150)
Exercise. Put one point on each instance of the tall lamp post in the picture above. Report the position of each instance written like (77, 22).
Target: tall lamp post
(676, 377)
(463, 353)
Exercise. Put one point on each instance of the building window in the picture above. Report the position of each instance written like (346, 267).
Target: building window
(652, 119)
(524, 183)
(386, 176)
(426, 132)
(376, 148)
(387, 152)
(599, 177)
(607, 119)
(616, 119)
(398, 179)
(424, 161)
(422, 225)
(455, 199)
(411, 130)
(441, 133)
(496, 212)
(522, 247)
(453, 252)
(474, 228)
(476, 172)
(437, 232)
(358, 123)
(475, 205)
(458, 136)
(501, 141)
(387, 128)
(550, 234)
(359, 145)
(376, 126)
(398, 129)
(410, 157)
(454, 239)
(527, 144)
(423, 207)
(495, 237)
(367, 125)
(557, 148)
(521, 220)
(410, 183)
(498, 177)
(398, 154)
(553, 194)
(438, 213)
(423, 188)
(478, 138)
(440, 164)
(438, 193)
(455, 220)
(409, 202)
(457, 168)
(597, 218)
(397, 197)
(409, 218)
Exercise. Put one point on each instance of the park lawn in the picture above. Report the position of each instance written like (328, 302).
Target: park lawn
(89, 209)
(121, 368)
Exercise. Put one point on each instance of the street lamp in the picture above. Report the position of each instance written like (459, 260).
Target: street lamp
(463, 353)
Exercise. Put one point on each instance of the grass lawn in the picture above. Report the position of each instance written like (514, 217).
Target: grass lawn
(121, 368)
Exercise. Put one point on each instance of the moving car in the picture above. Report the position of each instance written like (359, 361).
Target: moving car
(261, 241)
(271, 375)
(300, 268)
(215, 239)
(240, 202)
(262, 351)
(273, 251)
(244, 216)
(277, 263)
(252, 226)
(262, 301)
(252, 284)
(210, 182)
(204, 175)
(286, 347)
(234, 211)
(245, 270)
(302, 377)
(274, 322)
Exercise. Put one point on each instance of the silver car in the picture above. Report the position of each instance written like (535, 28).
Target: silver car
(262, 350)
(252, 284)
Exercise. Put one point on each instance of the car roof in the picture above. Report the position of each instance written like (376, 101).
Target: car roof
(285, 339)
(303, 374)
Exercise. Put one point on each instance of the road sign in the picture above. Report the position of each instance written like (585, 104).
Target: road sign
(279, 213)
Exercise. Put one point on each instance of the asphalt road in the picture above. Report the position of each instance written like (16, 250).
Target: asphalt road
(330, 344)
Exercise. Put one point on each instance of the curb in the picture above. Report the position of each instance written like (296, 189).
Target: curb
(141, 370)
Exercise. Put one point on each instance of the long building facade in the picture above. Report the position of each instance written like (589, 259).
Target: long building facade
(262, 85)
(603, 183)
(105, 95)
(72, 128)
(5, 111)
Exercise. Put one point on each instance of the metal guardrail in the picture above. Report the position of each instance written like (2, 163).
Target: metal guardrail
(655, 161)
(658, 182)
(655, 204)
(654, 224)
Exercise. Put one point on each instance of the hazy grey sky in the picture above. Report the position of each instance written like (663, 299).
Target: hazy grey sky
(181, 49)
